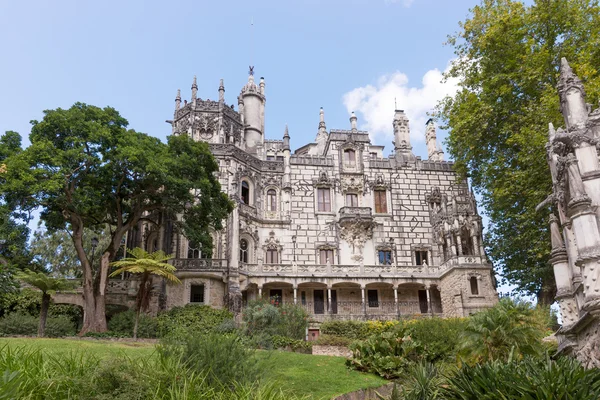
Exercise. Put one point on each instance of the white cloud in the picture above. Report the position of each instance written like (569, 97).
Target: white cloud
(406, 3)
(374, 104)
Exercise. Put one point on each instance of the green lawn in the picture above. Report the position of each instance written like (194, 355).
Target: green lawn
(320, 377)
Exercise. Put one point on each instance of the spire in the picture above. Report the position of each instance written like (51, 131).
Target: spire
(353, 122)
(194, 89)
(178, 100)
(322, 119)
(572, 97)
(286, 138)
(221, 91)
(433, 150)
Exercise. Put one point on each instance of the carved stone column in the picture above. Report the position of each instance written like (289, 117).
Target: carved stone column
(562, 275)
(295, 294)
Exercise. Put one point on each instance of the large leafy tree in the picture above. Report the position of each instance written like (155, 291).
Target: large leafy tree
(85, 169)
(507, 67)
(146, 265)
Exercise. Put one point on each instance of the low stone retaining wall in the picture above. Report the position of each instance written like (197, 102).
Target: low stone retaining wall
(368, 394)
(338, 351)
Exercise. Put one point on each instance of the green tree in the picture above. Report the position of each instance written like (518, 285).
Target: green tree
(508, 56)
(510, 327)
(146, 264)
(48, 286)
(85, 169)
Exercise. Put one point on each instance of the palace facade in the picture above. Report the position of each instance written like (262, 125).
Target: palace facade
(335, 225)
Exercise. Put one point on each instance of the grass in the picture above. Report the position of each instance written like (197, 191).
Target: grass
(317, 377)
(321, 377)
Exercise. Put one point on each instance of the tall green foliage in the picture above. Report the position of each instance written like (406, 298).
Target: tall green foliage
(508, 55)
(85, 169)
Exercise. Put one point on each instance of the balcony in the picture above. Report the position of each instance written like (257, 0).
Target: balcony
(337, 270)
(199, 264)
(355, 213)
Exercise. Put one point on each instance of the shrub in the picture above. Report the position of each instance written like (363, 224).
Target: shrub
(263, 320)
(283, 342)
(386, 355)
(333, 340)
(358, 329)
(179, 321)
(423, 381)
(530, 378)
(24, 324)
(122, 323)
(223, 359)
(496, 332)
(439, 338)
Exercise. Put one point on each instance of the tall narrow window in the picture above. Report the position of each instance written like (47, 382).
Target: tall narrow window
(272, 200)
(244, 251)
(351, 200)
(197, 294)
(272, 256)
(421, 257)
(323, 200)
(380, 201)
(385, 257)
(326, 255)
(373, 298)
(474, 285)
(245, 192)
(350, 157)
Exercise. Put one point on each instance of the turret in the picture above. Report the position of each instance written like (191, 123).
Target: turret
(221, 91)
(402, 137)
(178, 100)
(434, 152)
(353, 122)
(253, 111)
(322, 136)
(194, 90)
(286, 139)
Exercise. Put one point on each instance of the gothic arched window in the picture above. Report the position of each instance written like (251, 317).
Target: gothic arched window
(244, 251)
(193, 250)
(245, 192)
(271, 200)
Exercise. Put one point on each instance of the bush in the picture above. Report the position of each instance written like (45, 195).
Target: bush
(530, 378)
(122, 324)
(179, 321)
(263, 321)
(386, 355)
(24, 324)
(509, 326)
(283, 342)
(223, 359)
(439, 338)
(333, 340)
(358, 329)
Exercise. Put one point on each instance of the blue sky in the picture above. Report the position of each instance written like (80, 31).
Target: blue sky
(134, 55)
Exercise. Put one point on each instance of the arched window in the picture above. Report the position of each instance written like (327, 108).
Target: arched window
(193, 250)
(272, 256)
(244, 251)
(245, 192)
(466, 242)
(271, 200)
(474, 285)
(349, 157)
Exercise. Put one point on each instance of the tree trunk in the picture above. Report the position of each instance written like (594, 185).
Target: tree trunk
(43, 314)
(135, 325)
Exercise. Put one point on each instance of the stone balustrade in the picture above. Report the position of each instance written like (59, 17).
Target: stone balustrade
(343, 270)
(351, 213)
(198, 264)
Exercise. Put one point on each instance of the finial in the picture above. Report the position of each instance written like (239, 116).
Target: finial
(353, 121)
(321, 115)
(221, 91)
(178, 99)
(286, 133)
(395, 105)
(251, 70)
(194, 88)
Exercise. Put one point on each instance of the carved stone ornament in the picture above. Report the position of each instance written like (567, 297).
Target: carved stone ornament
(356, 233)
(589, 353)
(271, 243)
(271, 180)
(352, 184)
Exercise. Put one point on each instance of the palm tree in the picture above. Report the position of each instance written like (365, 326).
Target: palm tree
(146, 264)
(48, 286)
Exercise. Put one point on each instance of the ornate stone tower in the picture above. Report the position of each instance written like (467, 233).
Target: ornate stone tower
(402, 138)
(434, 152)
(252, 98)
(573, 160)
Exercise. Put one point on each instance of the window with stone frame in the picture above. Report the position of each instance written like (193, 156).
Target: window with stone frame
(194, 250)
(324, 199)
(373, 156)
(380, 201)
(421, 257)
(197, 294)
(350, 157)
(385, 257)
(474, 283)
(272, 256)
(244, 251)
(271, 200)
(326, 255)
(245, 192)
(270, 158)
(351, 200)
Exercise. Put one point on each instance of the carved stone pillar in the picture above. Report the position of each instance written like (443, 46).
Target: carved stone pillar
(475, 239)
(562, 275)
(329, 309)
(459, 245)
(295, 294)
(363, 293)
(429, 309)
(396, 299)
